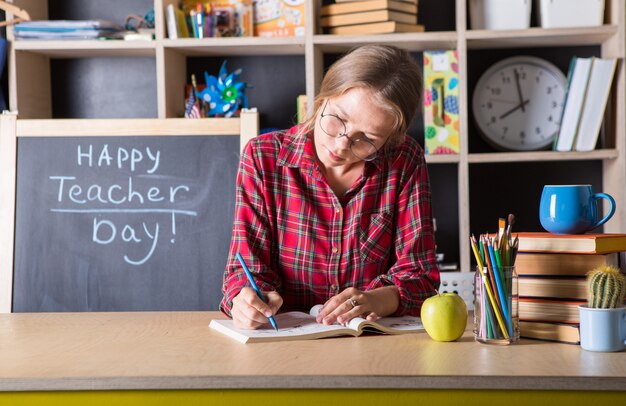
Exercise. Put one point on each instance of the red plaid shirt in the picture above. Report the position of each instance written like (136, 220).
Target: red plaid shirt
(298, 238)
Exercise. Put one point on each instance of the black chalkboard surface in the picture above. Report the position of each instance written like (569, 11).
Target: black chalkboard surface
(122, 223)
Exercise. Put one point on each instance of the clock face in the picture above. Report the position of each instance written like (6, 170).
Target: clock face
(517, 103)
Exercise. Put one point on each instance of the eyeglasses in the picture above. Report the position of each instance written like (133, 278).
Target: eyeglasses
(333, 126)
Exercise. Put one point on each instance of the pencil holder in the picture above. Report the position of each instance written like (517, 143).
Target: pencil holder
(496, 314)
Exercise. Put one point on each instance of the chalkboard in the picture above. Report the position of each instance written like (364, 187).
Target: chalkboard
(122, 223)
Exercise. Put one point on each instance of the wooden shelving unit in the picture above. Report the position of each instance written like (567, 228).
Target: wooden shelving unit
(29, 81)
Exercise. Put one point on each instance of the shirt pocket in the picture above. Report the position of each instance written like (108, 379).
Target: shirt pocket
(376, 237)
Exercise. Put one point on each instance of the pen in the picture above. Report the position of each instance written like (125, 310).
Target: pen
(255, 287)
(500, 288)
(487, 286)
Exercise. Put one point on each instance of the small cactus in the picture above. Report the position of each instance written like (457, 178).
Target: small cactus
(606, 287)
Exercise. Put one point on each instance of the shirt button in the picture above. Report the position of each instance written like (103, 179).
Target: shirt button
(337, 211)
(335, 250)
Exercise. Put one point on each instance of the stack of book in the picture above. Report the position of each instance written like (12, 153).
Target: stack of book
(370, 17)
(552, 272)
(66, 30)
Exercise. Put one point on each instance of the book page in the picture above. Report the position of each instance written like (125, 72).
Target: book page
(353, 324)
(395, 325)
(297, 323)
(392, 325)
(291, 325)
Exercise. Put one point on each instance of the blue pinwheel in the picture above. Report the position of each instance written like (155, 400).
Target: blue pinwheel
(224, 95)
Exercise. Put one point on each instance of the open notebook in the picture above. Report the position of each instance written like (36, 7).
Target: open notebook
(302, 326)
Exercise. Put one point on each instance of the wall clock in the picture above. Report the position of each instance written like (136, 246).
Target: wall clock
(517, 103)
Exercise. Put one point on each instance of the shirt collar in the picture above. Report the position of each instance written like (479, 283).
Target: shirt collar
(297, 151)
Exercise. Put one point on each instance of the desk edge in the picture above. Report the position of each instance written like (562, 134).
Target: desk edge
(317, 382)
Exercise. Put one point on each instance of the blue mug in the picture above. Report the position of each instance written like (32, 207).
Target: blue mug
(572, 209)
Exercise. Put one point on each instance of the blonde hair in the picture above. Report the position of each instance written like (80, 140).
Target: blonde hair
(389, 71)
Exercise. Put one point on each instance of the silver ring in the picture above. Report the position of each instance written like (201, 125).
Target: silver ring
(353, 302)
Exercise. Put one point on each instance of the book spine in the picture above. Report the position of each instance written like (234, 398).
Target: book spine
(170, 18)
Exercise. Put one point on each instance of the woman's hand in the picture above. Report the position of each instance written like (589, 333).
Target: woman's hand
(353, 302)
(250, 312)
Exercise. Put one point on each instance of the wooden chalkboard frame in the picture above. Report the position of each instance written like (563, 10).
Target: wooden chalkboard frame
(11, 128)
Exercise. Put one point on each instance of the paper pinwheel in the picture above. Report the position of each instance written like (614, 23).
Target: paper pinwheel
(223, 94)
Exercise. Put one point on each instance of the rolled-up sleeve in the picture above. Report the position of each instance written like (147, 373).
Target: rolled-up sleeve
(250, 235)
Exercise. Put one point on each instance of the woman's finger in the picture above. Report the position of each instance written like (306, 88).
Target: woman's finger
(249, 311)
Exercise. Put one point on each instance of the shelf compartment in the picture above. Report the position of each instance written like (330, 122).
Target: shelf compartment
(445, 209)
(42, 85)
(540, 37)
(509, 157)
(240, 46)
(409, 41)
(500, 188)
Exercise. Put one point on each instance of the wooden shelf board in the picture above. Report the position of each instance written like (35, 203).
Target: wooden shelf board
(408, 41)
(508, 157)
(442, 159)
(540, 37)
(88, 48)
(134, 127)
(237, 46)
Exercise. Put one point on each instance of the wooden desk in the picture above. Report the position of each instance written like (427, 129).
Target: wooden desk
(69, 353)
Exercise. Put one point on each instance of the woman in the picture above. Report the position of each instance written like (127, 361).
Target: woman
(337, 210)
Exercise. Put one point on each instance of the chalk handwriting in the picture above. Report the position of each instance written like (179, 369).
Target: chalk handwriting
(128, 234)
(119, 157)
(74, 196)
(113, 194)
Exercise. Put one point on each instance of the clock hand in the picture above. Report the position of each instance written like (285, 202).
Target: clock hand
(520, 106)
(519, 89)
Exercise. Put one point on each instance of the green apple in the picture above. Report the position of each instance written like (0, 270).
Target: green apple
(444, 316)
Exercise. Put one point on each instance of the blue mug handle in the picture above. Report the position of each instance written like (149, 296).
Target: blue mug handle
(598, 196)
